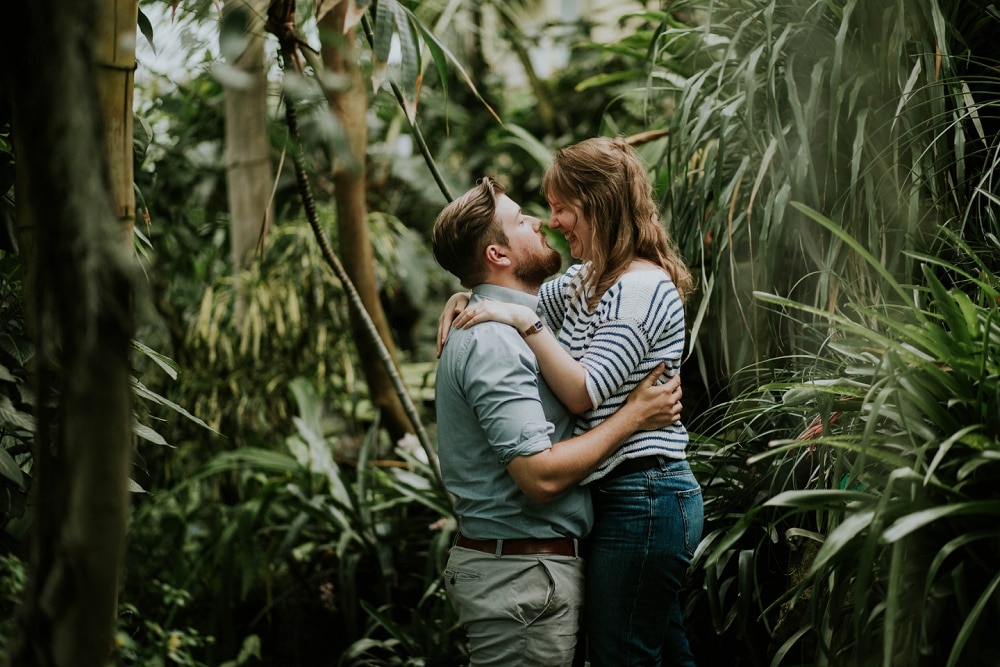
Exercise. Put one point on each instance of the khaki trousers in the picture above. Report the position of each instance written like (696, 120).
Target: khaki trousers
(517, 610)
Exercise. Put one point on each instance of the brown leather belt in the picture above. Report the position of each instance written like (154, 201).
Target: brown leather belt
(560, 546)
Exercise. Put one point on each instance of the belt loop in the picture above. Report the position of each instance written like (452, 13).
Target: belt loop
(576, 547)
(499, 551)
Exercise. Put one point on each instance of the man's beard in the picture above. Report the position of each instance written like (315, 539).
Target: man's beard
(533, 271)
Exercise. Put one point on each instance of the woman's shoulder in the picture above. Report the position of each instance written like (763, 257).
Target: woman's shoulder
(640, 289)
(641, 274)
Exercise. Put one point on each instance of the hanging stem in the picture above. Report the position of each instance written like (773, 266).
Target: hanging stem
(418, 136)
(284, 30)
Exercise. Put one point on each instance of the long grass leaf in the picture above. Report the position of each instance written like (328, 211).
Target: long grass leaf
(944, 448)
(947, 307)
(843, 235)
(144, 392)
(916, 520)
(840, 537)
(887, 459)
(788, 645)
(950, 548)
(249, 458)
(817, 498)
(536, 149)
(971, 621)
(399, 634)
(745, 579)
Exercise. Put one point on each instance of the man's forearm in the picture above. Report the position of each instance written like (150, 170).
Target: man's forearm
(545, 475)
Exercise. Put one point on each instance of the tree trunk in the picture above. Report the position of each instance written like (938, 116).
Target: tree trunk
(82, 271)
(351, 106)
(114, 43)
(249, 176)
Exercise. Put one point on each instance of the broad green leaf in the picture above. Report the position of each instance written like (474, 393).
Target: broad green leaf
(947, 307)
(168, 365)
(245, 458)
(10, 470)
(10, 416)
(385, 13)
(410, 76)
(147, 433)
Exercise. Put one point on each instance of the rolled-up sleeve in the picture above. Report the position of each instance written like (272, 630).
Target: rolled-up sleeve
(501, 380)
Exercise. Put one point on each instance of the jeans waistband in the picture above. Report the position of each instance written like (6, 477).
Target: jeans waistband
(638, 464)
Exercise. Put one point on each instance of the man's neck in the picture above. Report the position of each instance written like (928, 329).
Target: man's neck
(510, 282)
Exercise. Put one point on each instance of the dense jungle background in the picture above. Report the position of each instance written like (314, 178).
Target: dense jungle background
(218, 305)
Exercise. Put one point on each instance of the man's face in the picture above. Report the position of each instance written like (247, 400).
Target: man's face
(532, 259)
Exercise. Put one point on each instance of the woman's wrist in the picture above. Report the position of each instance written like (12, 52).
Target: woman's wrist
(529, 318)
(531, 329)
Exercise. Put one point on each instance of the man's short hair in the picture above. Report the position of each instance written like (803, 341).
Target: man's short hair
(465, 228)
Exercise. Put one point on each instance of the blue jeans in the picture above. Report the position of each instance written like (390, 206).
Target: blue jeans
(647, 526)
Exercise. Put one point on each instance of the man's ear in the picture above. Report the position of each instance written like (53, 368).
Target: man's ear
(497, 255)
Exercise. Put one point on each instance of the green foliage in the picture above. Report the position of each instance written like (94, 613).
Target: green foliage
(146, 642)
(862, 111)
(892, 475)
(308, 533)
(16, 404)
(846, 483)
(288, 314)
(13, 578)
(17, 422)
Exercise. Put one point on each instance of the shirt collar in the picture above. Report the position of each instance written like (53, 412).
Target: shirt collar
(498, 293)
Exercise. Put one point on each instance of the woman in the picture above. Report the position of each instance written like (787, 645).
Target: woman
(616, 315)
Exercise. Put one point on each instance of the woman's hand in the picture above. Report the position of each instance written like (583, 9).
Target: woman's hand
(657, 405)
(456, 303)
(519, 317)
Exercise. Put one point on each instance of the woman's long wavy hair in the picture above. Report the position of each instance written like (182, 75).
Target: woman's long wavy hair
(608, 180)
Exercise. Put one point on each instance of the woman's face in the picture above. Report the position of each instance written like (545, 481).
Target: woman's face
(567, 217)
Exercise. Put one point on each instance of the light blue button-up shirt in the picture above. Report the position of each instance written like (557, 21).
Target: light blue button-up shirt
(493, 405)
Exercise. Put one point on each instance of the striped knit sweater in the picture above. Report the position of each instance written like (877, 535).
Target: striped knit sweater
(638, 323)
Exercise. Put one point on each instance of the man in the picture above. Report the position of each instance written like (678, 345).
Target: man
(514, 575)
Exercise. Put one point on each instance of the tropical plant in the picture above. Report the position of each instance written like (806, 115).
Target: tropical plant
(13, 577)
(145, 642)
(877, 117)
(16, 421)
(872, 114)
(897, 470)
(311, 531)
